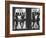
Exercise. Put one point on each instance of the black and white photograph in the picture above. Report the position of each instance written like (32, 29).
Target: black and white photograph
(35, 18)
(19, 18)
(26, 18)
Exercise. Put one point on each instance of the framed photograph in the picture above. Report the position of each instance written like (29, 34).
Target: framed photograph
(24, 18)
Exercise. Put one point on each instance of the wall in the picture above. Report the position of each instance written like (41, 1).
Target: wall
(2, 19)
